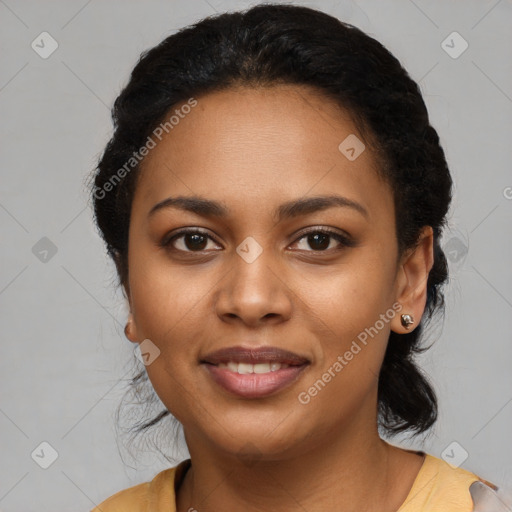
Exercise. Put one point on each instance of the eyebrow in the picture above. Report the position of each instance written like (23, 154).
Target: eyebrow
(208, 208)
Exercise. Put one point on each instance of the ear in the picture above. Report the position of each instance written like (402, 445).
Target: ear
(411, 280)
(130, 330)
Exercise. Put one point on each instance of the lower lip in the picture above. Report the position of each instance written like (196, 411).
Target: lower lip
(254, 385)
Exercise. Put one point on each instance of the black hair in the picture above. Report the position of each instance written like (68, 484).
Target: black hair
(271, 44)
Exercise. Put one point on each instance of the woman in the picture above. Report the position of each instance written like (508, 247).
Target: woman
(273, 197)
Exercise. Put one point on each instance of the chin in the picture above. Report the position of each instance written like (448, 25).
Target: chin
(255, 440)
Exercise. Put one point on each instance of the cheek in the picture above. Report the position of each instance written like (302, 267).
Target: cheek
(166, 299)
(350, 298)
(351, 317)
(346, 374)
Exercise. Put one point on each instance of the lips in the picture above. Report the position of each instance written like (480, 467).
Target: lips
(254, 372)
(254, 356)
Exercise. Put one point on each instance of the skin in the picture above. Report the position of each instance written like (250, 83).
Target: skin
(252, 150)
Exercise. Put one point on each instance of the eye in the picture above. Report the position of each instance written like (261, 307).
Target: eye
(189, 240)
(319, 239)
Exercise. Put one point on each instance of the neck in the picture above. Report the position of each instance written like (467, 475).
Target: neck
(358, 472)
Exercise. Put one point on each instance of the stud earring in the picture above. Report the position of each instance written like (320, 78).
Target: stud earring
(406, 320)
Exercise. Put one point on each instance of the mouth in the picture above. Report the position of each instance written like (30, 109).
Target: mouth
(254, 372)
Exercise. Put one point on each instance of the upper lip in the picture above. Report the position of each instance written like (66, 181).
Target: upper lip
(254, 355)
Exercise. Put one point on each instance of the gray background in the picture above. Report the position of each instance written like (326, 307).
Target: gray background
(65, 362)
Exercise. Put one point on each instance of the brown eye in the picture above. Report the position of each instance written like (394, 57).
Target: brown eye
(320, 240)
(189, 240)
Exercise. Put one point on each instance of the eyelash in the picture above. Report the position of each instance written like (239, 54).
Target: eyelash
(344, 240)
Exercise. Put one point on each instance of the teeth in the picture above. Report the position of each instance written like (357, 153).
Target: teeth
(232, 366)
(262, 368)
(245, 368)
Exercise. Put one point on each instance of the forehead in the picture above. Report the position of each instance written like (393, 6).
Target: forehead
(253, 147)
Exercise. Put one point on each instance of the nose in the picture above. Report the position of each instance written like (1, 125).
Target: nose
(254, 293)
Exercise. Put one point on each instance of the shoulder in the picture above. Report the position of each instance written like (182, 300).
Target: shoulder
(159, 491)
(440, 487)
(130, 499)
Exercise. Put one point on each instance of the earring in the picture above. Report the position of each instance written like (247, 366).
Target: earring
(406, 320)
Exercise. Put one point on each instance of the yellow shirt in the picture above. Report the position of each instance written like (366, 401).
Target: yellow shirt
(437, 488)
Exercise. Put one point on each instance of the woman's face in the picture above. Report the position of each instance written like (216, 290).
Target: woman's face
(256, 278)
